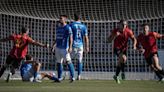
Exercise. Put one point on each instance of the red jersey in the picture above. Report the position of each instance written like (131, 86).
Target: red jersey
(20, 47)
(121, 40)
(148, 42)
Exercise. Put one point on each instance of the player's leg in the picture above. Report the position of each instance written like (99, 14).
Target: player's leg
(50, 76)
(59, 60)
(123, 61)
(80, 64)
(7, 63)
(36, 68)
(157, 65)
(67, 57)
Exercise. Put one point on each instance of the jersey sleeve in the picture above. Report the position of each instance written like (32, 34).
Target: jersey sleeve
(70, 31)
(157, 35)
(130, 34)
(12, 37)
(85, 31)
(30, 40)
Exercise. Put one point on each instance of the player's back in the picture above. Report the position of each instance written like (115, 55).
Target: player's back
(25, 68)
(79, 31)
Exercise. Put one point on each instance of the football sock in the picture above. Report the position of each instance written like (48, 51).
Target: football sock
(79, 67)
(118, 70)
(71, 69)
(59, 69)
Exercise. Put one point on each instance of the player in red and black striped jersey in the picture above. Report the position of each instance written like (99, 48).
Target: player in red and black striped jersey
(120, 36)
(19, 50)
(147, 41)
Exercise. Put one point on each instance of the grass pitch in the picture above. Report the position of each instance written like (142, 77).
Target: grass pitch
(82, 86)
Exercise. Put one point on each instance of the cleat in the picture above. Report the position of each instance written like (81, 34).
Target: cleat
(72, 80)
(116, 78)
(37, 81)
(123, 76)
(161, 80)
(8, 77)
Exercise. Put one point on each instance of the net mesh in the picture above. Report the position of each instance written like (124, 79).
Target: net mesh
(100, 16)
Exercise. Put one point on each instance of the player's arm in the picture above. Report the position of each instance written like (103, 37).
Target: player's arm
(133, 39)
(111, 37)
(7, 38)
(70, 43)
(157, 35)
(86, 43)
(53, 46)
(138, 46)
(37, 43)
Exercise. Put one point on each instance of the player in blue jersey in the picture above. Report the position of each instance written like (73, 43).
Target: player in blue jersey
(63, 47)
(79, 33)
(29, 71)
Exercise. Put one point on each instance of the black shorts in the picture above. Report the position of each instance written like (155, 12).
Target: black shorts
(119, 51)
(149, 60)
(14, 62)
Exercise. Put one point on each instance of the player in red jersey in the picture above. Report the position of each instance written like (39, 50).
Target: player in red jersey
(120, 36)
(147, 41)
(19, 50)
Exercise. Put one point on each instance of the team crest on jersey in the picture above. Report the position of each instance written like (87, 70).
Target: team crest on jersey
(19, 43)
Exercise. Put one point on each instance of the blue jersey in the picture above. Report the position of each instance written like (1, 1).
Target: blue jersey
(79, 31)
(63, 34)
(25, 68)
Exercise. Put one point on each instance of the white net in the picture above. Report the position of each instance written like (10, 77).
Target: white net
(100, 16)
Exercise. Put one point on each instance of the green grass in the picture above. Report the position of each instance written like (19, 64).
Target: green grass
(82, 86)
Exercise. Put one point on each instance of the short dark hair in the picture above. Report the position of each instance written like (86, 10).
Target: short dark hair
(24, 29)
(145, 24)
(124, 22)
(63, 16)
(28, 57)
(77, 16)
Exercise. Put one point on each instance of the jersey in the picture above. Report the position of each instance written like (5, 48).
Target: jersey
(121, 40)
(148, 42)
(25, 68)
(20, 47)
(63, 34)
(79, 31)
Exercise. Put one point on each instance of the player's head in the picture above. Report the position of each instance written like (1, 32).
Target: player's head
(29, 57)
(77, 16)
(145, 28)
(25, 30)
(63, 19)
(122, 24)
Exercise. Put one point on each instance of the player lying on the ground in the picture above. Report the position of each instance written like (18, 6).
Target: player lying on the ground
(30, 71)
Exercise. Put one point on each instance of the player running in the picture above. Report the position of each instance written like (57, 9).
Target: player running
(147, 41)
(30, 71)
(63, 47)
(19, 50)
(120, 36)
(80, 36)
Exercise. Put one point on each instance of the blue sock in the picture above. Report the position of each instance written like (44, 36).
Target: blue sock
(71, 69)
(35, 74)
(79, 67)
(59, 69)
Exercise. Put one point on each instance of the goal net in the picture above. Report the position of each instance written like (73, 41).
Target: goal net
(100, 16)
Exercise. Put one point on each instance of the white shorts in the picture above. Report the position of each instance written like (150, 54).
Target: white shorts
(62, 54)
(29, 76)
(77, 53)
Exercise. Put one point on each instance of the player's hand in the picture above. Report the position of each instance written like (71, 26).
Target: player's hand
(46, 45)
(117, 33)
(69, 50)
(134, 47)
(53, 49)
(86, 49)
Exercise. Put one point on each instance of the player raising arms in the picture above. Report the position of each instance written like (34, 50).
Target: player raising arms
(147, 41)
(63, 47)
(120, 36)
(30, 71)
(19, 50)
(80, 35)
